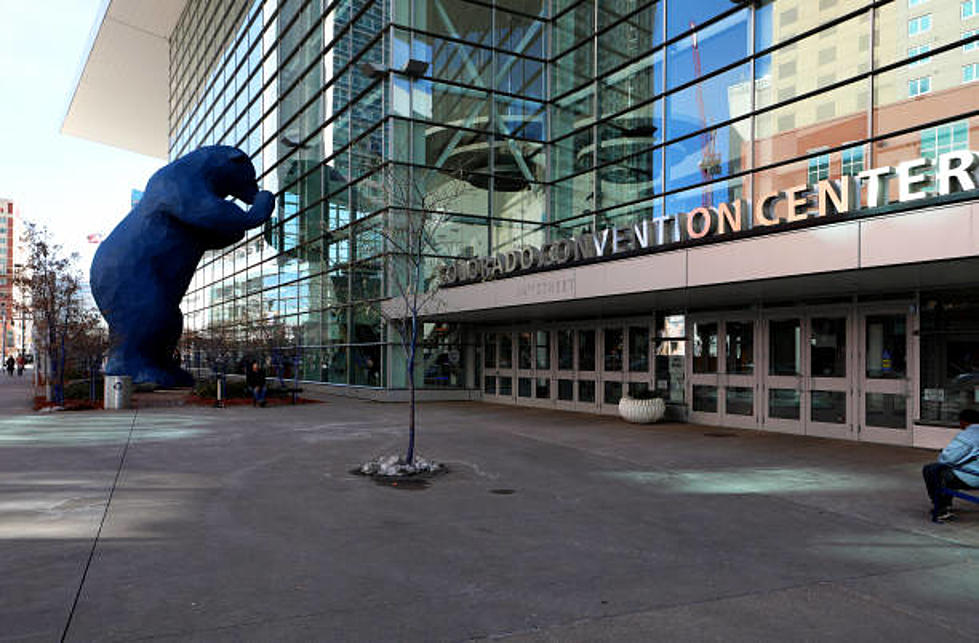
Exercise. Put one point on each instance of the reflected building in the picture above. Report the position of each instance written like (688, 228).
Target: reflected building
(651, 195)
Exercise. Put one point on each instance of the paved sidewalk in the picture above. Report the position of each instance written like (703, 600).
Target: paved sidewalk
(245, 524)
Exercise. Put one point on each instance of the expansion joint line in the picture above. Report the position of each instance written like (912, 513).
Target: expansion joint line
(98, 533)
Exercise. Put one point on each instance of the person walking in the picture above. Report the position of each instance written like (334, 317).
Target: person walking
(20, 365)
(10, 366)
(255, 379)
(957, 466)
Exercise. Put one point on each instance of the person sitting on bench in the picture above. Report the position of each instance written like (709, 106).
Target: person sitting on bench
(957, 466)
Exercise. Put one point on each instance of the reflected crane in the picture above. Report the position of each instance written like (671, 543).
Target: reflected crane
(710, 161)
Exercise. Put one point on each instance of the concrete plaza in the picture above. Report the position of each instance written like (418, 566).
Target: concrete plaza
(244, 524)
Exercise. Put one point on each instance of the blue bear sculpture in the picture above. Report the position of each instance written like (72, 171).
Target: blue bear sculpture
(141, 271)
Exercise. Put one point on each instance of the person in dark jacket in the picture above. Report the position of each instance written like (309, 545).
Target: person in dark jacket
(957, 466)
(255, 378)
(9, 363)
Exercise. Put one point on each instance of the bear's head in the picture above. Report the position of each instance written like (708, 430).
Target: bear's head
(229, 172)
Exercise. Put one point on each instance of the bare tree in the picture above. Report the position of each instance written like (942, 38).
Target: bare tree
(51, 284)
(417, 201)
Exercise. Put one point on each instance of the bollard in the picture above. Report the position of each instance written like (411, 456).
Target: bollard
(220, 394)
(118, 394)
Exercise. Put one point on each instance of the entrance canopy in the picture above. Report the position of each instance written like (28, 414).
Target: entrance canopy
(121, 97)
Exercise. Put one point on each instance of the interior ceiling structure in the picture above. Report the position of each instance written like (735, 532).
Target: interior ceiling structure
(121, 97)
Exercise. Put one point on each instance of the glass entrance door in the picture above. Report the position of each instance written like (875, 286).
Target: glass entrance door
(613, 368)
(885, 383)
(723, 373)
(829, 368)
(784, 385)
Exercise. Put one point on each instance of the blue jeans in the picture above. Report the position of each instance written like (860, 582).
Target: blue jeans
(258, 394)
(939, 475)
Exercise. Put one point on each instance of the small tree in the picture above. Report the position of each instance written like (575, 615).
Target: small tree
(416, 210)
(51, 287)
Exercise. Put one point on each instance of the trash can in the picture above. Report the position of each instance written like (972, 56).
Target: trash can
(118, 392)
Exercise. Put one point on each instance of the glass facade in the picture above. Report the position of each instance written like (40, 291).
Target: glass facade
(553, 117)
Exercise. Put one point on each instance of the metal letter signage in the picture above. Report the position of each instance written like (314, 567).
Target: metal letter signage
(916, 180)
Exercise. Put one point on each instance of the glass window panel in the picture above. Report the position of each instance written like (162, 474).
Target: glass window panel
(489, 350)
(565, 350)
(704, 398)
(639, 33)
(524, 386)
(638, 348)
(542, 390)
(638, 388)
(722, 99)
(739, 347)
(565, 390)
(739, 400)
(612, 392)
(696, 159)
(572, 69)
(828, 406)
(783, 403)
(709, 49)
(506, 350)
(524, 351)
(613, 349)
(784, 347)
(586, 350)
(586, 391)
(828, 347)
(705, 347)
(886, 346)
(506, 386)
(886, 410)
(573, 26)
(682, 14)
(832, 118)
(543, 349)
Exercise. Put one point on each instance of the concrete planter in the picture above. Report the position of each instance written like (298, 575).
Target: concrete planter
(641, 411)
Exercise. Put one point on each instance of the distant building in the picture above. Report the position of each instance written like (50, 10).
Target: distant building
(10, 260)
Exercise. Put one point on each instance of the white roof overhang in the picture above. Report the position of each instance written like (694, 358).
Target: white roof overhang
(121, 97)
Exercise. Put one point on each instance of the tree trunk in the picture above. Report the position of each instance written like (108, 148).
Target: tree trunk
(410, 458)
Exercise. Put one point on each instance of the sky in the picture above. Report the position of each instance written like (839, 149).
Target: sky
(72, 186)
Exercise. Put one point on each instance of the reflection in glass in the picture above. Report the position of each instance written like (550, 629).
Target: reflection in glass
(705, 347)
(524, 356)
(489, 350)
(638, 388)
(705, 398)
(489, 385)
(886, 410)
(613, 349)
(783, 403)
(739, 400)
(828, 347)
(638, 348)
(506, 350)
(543, 388)
(543, 348)
(506, 386)
(886, 347)
(828, 406)
(565, 350)
(565, 390)
(784, 347)
(524, 387)
(613, 393)
(586, 350)
(586, 391)
(739, 346)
